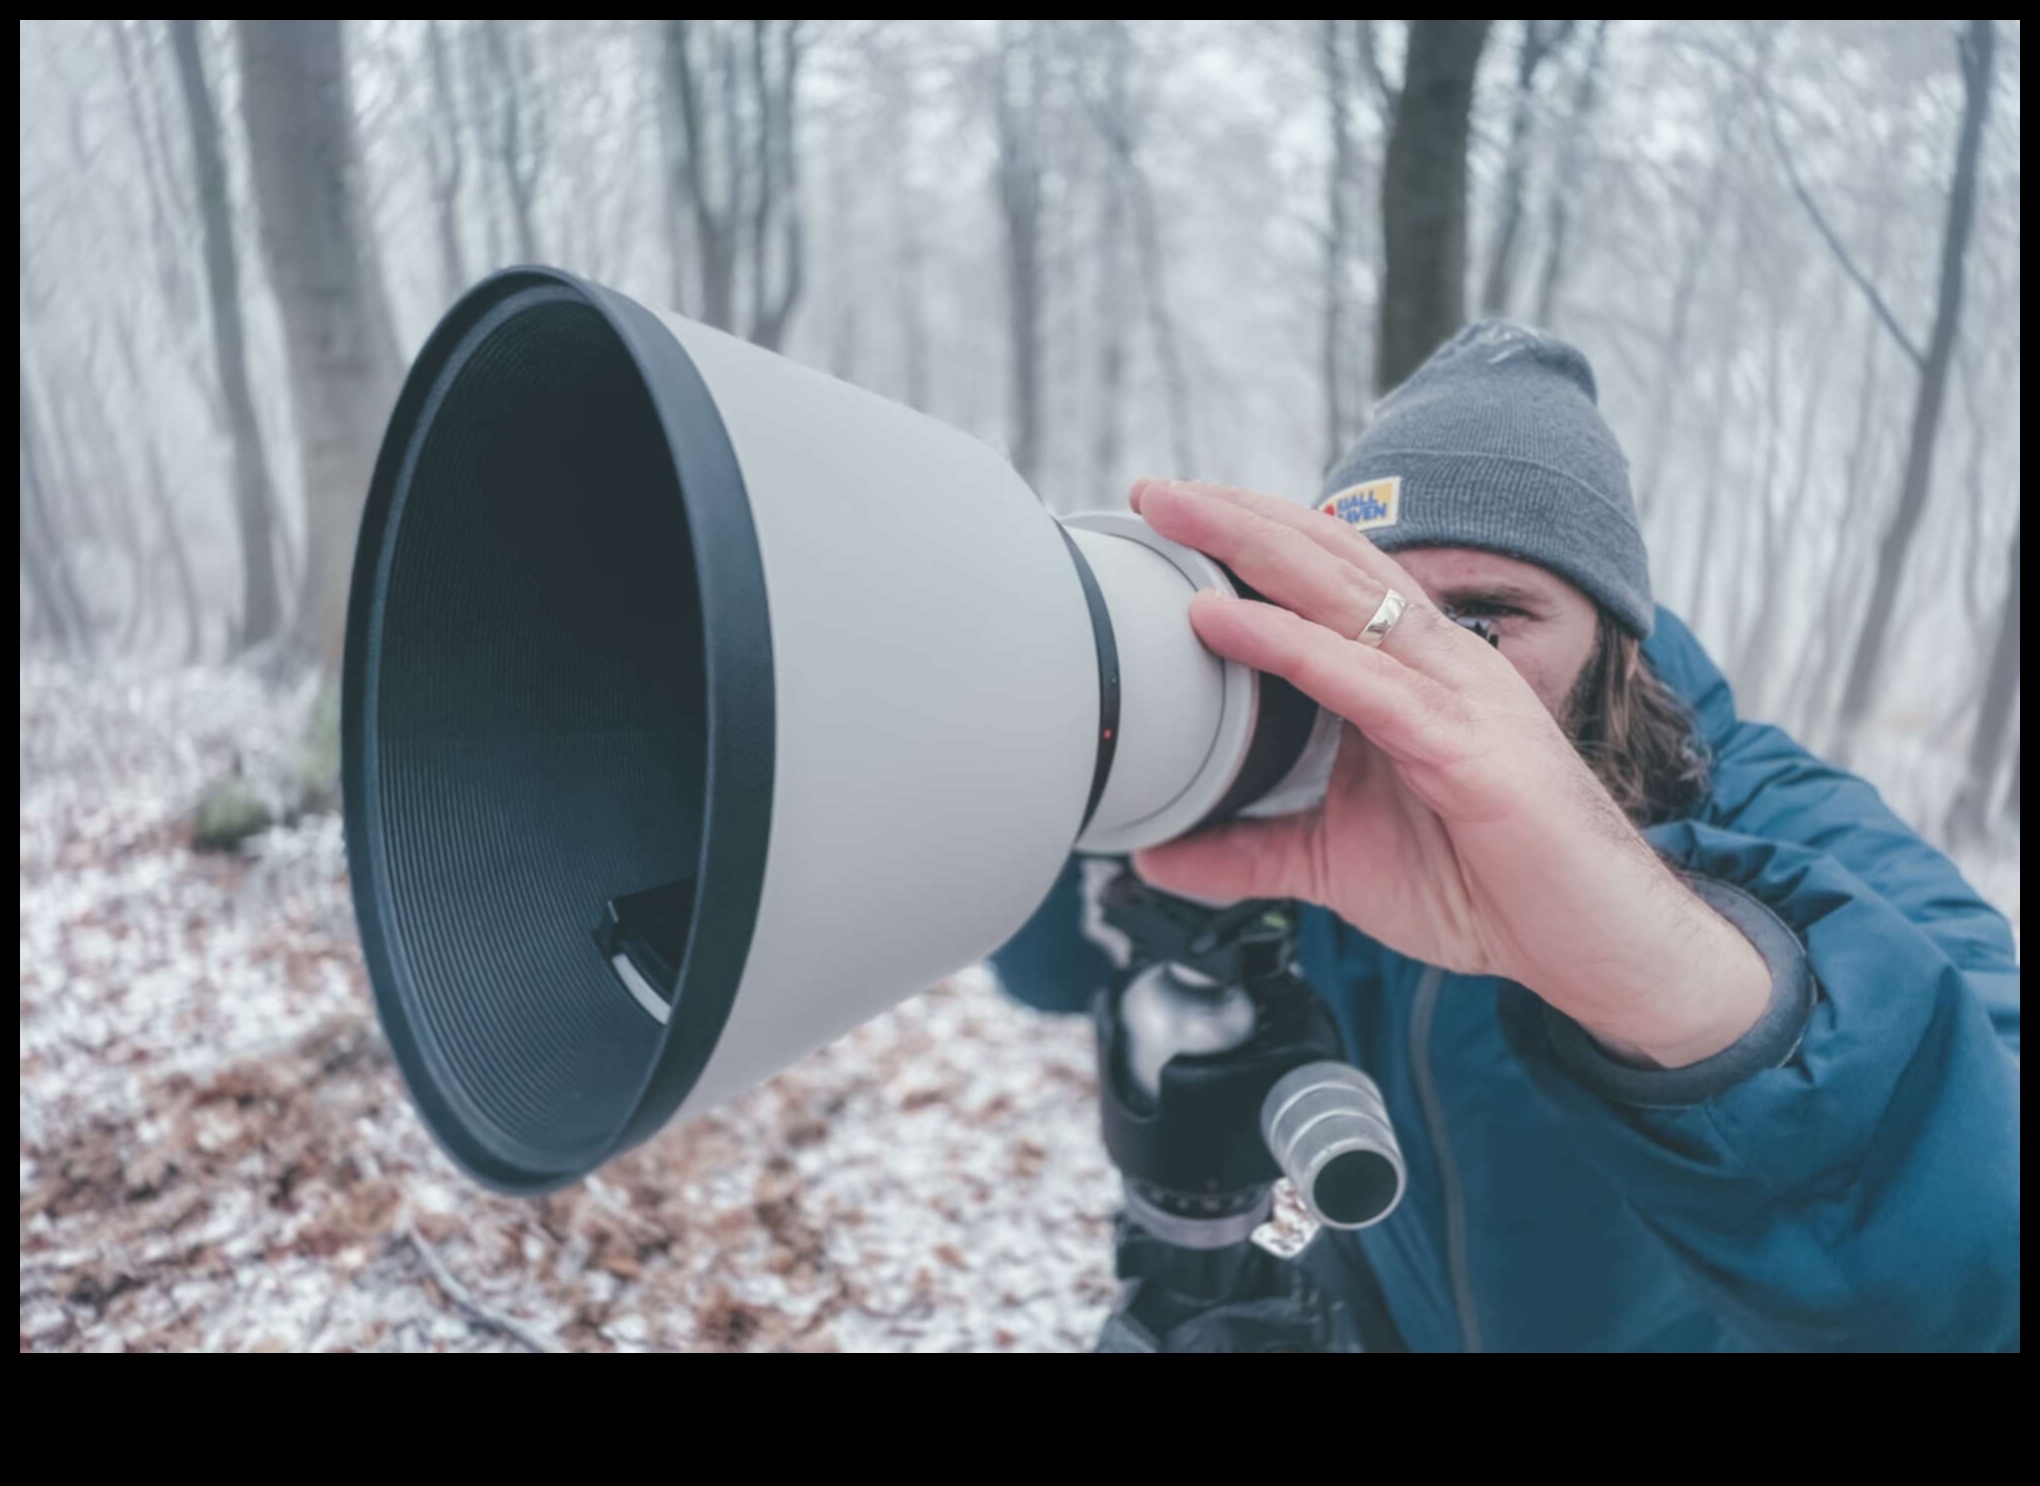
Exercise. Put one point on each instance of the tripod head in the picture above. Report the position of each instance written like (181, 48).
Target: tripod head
(1218, 1073)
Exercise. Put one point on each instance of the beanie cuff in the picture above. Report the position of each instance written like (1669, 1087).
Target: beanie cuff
(1517, 508)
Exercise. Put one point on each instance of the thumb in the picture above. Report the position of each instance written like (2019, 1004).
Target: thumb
(1246, 859)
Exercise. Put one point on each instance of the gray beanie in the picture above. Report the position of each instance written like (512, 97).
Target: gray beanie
(1495, 443)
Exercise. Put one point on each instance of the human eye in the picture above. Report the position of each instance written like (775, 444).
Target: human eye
(1485, 617)
(1479, 609)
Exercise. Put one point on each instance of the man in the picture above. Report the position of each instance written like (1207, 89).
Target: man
(1690, 1042)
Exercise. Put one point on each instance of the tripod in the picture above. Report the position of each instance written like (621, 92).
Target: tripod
(1218, 1072)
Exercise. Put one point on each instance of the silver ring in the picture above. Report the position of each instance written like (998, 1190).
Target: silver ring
(1392, 606)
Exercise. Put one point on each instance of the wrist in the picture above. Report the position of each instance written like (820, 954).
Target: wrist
(1707, 989)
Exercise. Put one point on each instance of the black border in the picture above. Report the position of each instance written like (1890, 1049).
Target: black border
(739, 685)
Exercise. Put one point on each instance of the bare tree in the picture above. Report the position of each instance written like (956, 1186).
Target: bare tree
(1540, 39)
(1993, 723)
(172, 276)
(1380, 91)
(1783, 520)
(1818, 668)
(776, 225)
(59, 612)
(81, 403)
(1108, 108)
(1720, 405)
(1021, 65)
(1566, 179)
(1693, 257)
(262, 614)
(733, 92)
(1120, 129)
(1339, 246)
(338, 339)
(714, 212)
(101, 486)
(1975, 51)
(908, 246)
(445, 161)
(1423, 197)
(520, 137)
(174, 549)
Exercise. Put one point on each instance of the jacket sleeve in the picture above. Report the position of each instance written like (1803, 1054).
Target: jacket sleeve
(1859, 1189)
(1065, 953)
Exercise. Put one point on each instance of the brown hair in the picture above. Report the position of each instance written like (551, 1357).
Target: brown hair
(1640, 739)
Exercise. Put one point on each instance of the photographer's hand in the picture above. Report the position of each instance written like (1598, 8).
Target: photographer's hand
(1460, 827)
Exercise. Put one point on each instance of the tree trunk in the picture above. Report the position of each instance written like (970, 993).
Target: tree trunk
(1710, 512)
(1758, 506)
(338, 343)
(1020, 88)
(1976, 53)
(262, 615)
(172, 277)
(519, 148)
(1719, 421)
(1975, 576)
(178, 554)
(681, 257)
(44, 562)
(174, 547)
(1685, 292)
(1567, 184)
(1538, 43)
(1107, 446)
(447, 162)
(1762, 651)
(81, 404)
(1154, 283)
(1818, 669)
(711, 232)
(1129, 186)
(1423, 197)
(776, 211)
(1993, 724)
(908, 252)
(1338, 237)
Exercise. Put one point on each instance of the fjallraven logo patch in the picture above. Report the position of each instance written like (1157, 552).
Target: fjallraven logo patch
(1365, 507)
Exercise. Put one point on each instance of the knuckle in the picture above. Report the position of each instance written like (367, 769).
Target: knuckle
(1358, 543)
(1362, 591)
(1426, 621)
(1293, 544)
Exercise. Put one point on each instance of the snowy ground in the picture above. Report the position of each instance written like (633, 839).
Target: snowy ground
(216, 1151)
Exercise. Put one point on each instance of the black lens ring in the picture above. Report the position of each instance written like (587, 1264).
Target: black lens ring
(736, 639)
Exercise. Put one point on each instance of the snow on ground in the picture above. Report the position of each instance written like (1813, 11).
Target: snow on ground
(217, 1152)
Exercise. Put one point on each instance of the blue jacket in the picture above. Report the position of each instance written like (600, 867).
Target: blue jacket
(1857, 1189)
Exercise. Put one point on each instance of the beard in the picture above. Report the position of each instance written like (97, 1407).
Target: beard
(1581, 717)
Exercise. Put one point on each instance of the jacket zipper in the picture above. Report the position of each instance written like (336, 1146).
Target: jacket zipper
(1421, 1015)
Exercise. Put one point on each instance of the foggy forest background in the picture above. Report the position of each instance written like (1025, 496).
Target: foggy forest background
(1112, 248)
